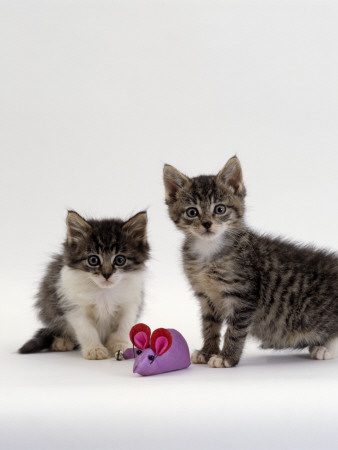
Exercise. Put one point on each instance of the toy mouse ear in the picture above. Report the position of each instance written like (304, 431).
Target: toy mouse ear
(140, 336)
(161, 341)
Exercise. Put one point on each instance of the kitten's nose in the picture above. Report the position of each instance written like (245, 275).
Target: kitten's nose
(106, 275)
(207, 225)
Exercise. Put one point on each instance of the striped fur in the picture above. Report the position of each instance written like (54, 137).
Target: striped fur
(284, 294)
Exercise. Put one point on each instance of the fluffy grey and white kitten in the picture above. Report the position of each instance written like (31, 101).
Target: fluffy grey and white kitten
(92, 292)
(286, 295)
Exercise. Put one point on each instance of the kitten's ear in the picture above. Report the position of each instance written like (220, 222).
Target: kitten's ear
(173, 181)
(231, 176)
(77, 227)
(136, 227)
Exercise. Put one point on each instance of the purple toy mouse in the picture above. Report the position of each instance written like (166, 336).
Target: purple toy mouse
(163, 351)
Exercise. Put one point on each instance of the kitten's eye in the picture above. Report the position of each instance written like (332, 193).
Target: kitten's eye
(120, 260)
(220, 209)
(94, 261)
(192, 212)
(138, 352)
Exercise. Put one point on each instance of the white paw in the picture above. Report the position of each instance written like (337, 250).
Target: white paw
(95, 353)
(61, 344)
(321, 353)
(198, 358)
(218, 362)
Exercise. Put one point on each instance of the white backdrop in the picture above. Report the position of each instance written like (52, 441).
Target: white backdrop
(95, 97)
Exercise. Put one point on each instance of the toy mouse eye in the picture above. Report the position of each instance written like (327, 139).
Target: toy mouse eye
(192, 212)
(94, 261)
(138, 352)
(151, 357)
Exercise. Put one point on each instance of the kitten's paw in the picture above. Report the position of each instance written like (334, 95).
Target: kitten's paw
(320, 352)
(96, 353)
(61, 344)
(218, 362)
(198, 357)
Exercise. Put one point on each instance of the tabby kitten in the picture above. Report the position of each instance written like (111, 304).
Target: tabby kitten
(285, 295)
(92, 292)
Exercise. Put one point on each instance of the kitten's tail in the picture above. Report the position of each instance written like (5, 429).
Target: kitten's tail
(42, 340)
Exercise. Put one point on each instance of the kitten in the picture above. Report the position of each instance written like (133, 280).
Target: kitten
(92, 292)
(285, 295)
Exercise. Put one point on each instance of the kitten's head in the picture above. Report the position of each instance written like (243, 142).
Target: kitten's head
(206, 206)
(106, 249)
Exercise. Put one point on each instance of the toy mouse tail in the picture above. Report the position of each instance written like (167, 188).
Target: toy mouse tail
(42, 340)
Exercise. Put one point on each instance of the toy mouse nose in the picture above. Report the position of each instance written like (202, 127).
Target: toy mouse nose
(207, 225)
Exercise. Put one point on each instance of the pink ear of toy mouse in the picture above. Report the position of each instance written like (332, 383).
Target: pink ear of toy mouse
(140, 336)
(161, 341)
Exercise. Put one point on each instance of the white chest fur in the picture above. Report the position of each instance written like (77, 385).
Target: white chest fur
(207, 248)
(80, 290)
(208, 269)
(104, 306)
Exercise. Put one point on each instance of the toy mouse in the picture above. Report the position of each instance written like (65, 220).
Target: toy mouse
(163, 351)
